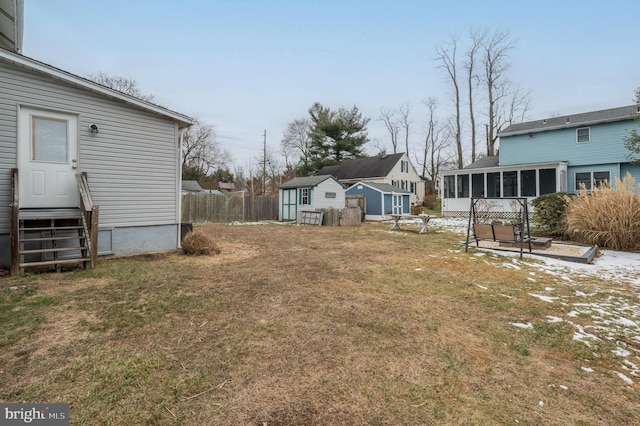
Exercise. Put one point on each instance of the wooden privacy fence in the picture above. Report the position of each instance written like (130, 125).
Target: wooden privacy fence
(348, 216)
(236, 207)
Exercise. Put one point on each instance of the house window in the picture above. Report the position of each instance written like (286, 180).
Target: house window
(449, 189)
(463, 186)
(583, 135)
(403, 185)
(589, 178)
(394, 183)
(477, 185)
(404, 166)
(547, 181)
(305, 196)
(413, 187)
(528, 183)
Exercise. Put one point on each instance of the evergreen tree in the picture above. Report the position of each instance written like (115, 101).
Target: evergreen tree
(335, 136)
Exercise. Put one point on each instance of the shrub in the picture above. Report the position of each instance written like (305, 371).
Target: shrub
(549, 213)
(430, 201)
(606, 217)
(196, 243)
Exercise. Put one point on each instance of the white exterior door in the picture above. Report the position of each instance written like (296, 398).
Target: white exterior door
(47, 159)
(396, 201)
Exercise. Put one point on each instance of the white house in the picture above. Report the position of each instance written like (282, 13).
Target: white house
(308, 194)
(392, 169)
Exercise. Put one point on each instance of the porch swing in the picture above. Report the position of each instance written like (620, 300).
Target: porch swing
(512, 233)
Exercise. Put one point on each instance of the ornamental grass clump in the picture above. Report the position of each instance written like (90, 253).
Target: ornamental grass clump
(197, 243)
(607, 217)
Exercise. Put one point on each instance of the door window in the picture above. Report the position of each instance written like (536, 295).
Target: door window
(49, 138)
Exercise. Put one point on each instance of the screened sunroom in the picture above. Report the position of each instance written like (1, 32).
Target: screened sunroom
(482, 179)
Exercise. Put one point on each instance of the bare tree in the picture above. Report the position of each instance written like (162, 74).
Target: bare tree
(121, 84)
(446, 57)
(296, 142)
(392, 125)
(477, 38)
(507, 102)
(434, 154)
(201, 153)
(405, 110)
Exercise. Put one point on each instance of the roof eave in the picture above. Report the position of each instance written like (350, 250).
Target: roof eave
(56, 73)
(568, 126)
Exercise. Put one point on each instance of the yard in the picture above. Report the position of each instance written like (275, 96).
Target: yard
(317, 325)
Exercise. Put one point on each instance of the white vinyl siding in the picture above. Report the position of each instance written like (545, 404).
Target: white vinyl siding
(132, 162)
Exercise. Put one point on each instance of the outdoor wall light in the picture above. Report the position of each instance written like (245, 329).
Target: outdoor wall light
(94, 128)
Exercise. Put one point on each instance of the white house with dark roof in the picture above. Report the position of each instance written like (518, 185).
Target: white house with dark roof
(309, 193)
(539, 157)
(392, 169)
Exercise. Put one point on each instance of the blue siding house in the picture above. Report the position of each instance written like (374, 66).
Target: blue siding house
(381, 199)
(540, 157)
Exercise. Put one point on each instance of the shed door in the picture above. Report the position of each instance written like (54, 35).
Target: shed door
(47, 159)
(289, 204)
(397, 204)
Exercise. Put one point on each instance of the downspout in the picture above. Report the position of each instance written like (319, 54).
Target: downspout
(179, 188)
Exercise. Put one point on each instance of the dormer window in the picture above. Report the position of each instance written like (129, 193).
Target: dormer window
(583, 135)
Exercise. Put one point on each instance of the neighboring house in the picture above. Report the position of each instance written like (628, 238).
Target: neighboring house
(226, 186)
(191, 186)
(309, 193)
(546, 156)
(381, 199)
(392, 169)
(55, 125)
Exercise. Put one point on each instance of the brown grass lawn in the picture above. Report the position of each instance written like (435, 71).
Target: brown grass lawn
(301, 325)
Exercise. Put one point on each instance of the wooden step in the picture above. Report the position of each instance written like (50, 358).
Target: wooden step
(56, 262)
(52, 228)
(75, 237)
(52, 250)
(46, 214)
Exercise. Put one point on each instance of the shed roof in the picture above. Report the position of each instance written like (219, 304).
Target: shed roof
(77, 81)
(573, 120)
(383, 187)
(363, 168)
(191, 185)
(306, 181)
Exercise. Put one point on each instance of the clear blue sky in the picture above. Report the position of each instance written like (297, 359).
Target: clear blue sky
(246, 66)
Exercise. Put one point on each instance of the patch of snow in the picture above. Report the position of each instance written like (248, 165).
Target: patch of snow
(541, 403)
(626, 322)
(623, 353)
(553, 319)
(573, 314)
(547, 299)
(482, 287)
(587, 369)
(563, 387)
(521, 325)
(625, 378)
(549, 289)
